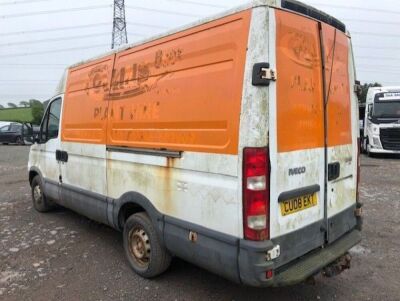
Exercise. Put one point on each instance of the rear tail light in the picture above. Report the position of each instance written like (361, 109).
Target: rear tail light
(358, 170)
(256, 173)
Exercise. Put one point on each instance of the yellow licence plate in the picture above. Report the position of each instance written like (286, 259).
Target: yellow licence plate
(298, 204)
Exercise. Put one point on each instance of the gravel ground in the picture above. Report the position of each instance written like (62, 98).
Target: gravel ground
(64, 256)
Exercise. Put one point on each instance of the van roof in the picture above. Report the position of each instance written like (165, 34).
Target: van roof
(292, 5)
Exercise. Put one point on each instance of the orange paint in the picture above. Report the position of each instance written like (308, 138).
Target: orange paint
(337, 86)
(300, 112)
(180, 92)
(85, 103)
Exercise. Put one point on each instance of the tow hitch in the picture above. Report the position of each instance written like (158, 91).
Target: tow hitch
(338, 266)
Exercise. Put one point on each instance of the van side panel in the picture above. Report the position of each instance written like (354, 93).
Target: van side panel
(188, 99)
(86, 102)
(182, 92)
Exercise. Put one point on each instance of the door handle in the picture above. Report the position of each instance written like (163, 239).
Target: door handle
(61, 156)
(333, 171)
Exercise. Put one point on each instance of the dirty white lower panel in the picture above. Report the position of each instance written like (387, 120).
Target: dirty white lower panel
(342, 191)
(43, 157)
(86, 166)
(313, 162)
(175, 188)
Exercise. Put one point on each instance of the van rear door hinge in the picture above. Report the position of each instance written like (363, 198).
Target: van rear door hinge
(263, 74)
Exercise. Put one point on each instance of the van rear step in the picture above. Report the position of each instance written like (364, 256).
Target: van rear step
(315, 262)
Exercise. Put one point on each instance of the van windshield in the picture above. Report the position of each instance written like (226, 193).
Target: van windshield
(387, 109)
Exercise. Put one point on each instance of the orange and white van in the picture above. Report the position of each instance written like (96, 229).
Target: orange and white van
(231, 143)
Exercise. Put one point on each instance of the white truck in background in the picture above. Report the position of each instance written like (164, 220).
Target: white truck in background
(382, 121)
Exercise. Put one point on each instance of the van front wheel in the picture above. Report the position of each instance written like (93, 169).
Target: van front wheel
(146, 254)
(40, 202)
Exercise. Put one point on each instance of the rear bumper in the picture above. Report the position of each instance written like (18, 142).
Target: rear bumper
(253, 264)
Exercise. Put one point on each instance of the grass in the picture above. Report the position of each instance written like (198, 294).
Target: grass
(21, 115)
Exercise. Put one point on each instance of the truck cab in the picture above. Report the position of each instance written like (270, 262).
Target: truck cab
(381, 133)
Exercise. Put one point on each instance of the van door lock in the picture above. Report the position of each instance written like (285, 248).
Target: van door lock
(263, 74)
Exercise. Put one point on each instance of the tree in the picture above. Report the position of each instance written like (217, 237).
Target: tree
(365, 87)
(1, 107)
(24, 103)
(37, 110)
(11, 105)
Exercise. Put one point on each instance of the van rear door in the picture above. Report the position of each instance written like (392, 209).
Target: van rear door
(341, 136)
(313, 145)
(297, 140)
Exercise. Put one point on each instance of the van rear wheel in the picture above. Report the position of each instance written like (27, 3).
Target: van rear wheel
(146, 254)
(40, 202)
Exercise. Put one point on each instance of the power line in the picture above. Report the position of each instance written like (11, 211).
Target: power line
(378, 71)
(54, 29)
(29, 83)
(383, 35)
(56, 39)
(34, 66)
(357, 8)
(199, 3)
(379, 66)
(22, 2)
(56, 11)
(78, 27)
(376, 47)
(147, 25)
(379, 58)
(371, 21)
(52, 51)
(160, 11)
(27, 80)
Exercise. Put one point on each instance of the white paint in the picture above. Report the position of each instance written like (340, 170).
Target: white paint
(86, 166)
(253, 130)
(43, 156)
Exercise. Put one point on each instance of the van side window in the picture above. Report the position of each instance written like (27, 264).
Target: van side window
(4, 128)
(51, 121)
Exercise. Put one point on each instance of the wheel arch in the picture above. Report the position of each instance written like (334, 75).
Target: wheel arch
(33, 172)
(133, 202)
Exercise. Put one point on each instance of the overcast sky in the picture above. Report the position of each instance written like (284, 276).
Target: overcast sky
(31, 63)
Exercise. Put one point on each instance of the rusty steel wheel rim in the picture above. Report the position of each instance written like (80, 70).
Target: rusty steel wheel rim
(37, 194)
(139, 246)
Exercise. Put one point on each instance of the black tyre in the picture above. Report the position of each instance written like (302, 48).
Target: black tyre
(40, 202)
(146, 254)
(19, 140)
